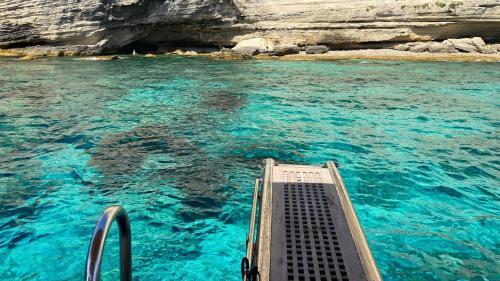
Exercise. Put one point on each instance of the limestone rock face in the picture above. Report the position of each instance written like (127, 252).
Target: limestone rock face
(100, 26)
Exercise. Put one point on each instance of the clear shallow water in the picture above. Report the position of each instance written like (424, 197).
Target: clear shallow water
(178, 141)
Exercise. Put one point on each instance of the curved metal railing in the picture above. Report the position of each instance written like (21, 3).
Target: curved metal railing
(96, 249)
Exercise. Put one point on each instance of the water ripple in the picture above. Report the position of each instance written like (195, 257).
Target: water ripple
(178, 141)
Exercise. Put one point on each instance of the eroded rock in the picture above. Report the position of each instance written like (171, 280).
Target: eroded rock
(418, 48)
(286, 50)
(317, 49)
(229, 55)
(246, 51)
(478, 41)
(402, 47)
(27, 58)
(465, 45)
(261, 44)
(101, 58)
(435, 47)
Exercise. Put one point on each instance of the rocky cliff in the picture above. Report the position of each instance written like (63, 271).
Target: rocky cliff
(101, 26)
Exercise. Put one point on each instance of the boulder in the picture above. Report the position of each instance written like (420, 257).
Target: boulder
(150, 56)
(435, 47)
(478, 41)
(402, 47)
(496, 46)
(246, 51)
(482, 47)
(464, 45)
(418, 48)
(178, 52)
(286, 50)
(488, 49)
(318, 49)
(261, 44)
(190, 53)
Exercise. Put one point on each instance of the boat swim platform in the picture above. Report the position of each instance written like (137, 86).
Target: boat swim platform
(303, 227)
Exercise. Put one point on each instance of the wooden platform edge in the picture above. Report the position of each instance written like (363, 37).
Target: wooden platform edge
(264, 236)
(364, 252)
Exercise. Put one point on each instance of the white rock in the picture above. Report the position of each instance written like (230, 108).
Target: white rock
(464, 45)
(262, 44)
(478, 41)
(436, 47)
(419, 48)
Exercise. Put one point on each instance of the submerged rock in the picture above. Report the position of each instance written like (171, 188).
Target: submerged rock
(28, 57)
(102, 58)
(286, 50)
(317, 49)
(124, 153)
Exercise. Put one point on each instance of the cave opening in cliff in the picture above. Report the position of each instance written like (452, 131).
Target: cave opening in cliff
(145, 46)
(140, 47)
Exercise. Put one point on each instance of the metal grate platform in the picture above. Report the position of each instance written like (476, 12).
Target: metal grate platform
(307, 228)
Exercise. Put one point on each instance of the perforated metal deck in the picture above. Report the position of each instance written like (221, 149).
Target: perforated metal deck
(307, 228)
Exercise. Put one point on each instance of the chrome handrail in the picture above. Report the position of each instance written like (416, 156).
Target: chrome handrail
(251, 233)
(96, 249)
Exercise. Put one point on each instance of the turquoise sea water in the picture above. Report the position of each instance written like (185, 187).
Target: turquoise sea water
(178, 141)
